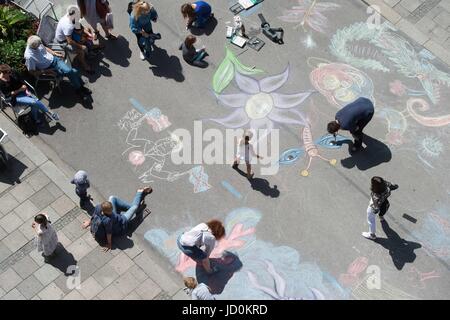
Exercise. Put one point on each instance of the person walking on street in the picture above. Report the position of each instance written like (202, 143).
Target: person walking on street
(95, 12)
(141, 19)
(203, 235)
(379, 203)
(47, 238)
(197, 14)
(246, 152)
(354, 117)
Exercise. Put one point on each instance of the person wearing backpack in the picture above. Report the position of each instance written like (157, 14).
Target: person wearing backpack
(111, 218)
(379, 203)
(201, 236)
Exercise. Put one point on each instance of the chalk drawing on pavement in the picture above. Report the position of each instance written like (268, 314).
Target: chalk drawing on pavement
(241, 240)
(231, 189)
(423, 120)
(418, 278)
(340, 83)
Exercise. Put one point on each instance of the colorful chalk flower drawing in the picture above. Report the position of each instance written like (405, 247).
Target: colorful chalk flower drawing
(309, 13)
(397, 125)
(226, 70)
(434, 233)
(261, 264)
(399, 89)
(258, 104)
(341, 84)
(396, 49)
(430, 148)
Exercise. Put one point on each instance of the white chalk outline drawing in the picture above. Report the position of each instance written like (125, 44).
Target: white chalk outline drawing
(397, 50)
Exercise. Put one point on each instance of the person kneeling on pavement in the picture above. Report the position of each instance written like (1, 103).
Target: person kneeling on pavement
(108, 220)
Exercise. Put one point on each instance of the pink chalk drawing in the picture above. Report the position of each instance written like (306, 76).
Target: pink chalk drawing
(311, 150)
(280, 285)
(397, 88)
(352, 276)
(418, 278)
(199, 179)
(137, 158)
(425, 121)
(231, 241)
(341, 83)
(309, 13)
(158, 124)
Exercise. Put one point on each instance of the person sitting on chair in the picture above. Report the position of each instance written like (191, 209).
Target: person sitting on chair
(16, 92)
(42, 60)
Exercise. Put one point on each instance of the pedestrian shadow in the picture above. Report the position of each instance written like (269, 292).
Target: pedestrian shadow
(227, 266)
(66, 98)
(400, 250)
(117, 51)
(261, 185)
(374, 154)
(13, 171)
(165, 66)
(207, 30)
(63, 260)
(122, 243)
(50, 130)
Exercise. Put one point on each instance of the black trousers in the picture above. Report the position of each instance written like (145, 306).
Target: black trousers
(358, 135)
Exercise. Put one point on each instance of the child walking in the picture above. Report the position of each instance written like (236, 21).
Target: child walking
(47, 239)
(246, 152)
(379, 203)
(81, 182)
(198, 291)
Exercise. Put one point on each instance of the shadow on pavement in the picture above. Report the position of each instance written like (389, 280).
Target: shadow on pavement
(67, 98)
(209, 28)
(63, 260)
(400, 250)
(165, 66)
(11, 174)
(374, 154)
(261, 185)
(117, 51)
(227, 266)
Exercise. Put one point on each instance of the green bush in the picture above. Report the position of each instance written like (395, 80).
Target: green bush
(15, 27)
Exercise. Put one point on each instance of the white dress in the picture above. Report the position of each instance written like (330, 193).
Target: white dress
(47, 239)
(245, 151)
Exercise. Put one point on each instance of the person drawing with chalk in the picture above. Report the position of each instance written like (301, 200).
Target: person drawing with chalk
(354, 117)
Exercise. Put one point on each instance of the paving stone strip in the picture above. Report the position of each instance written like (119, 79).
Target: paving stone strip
(422, 10)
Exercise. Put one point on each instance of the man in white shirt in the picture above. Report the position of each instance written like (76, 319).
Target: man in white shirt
(63, 35)
(40, 59)
(201, 236)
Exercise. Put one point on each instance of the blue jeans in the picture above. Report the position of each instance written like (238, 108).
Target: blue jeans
(64, 70)
(33, 102)
(200, 55)
(194, 252)
(130, 209)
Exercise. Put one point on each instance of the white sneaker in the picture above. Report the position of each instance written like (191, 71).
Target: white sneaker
(369, 235)
(141, 55)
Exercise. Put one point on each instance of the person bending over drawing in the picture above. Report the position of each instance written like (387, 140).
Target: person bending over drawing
(201, 236)
(108, 220)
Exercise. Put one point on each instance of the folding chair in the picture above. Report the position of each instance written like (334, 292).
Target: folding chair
(38, 8)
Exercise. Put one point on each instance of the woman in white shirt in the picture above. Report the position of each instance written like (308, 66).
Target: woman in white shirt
(47, 239)
(199, 242)
(246, 152)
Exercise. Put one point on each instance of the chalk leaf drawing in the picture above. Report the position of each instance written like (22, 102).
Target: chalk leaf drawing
(225, 72)
(309, 13)
(341, 84)
(397, 50)
(435, 232)
(305, 280)
(259, 105)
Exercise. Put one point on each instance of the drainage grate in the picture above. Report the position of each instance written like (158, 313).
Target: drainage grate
(30, 246)
(422, 10)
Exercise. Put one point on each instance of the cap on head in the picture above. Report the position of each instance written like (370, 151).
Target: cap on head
(72, 10)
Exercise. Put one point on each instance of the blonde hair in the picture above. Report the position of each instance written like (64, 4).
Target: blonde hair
(190, 282)
(140, 7)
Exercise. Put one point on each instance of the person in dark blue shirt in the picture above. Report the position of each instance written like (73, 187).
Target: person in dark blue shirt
(197, 13)
(114, 216)
(353, 117)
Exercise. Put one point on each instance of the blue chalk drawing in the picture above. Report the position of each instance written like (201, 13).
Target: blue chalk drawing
(291, 156)
(231, 189)
(199, 179)
(435, 232)
(261, 263)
